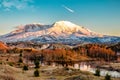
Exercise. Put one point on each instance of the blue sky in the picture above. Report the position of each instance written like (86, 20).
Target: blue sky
(101, 16)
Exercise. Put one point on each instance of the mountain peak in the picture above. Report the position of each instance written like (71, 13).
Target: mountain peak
(69, 27)
(66, 23)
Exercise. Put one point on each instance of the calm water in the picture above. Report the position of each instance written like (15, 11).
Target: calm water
(103, 72)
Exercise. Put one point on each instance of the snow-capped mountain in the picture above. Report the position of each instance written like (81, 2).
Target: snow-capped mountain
(58, 32)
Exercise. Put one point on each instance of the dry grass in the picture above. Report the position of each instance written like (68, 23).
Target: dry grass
(6, 77)
(46, 73)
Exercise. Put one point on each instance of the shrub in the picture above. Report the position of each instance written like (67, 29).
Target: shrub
(107, 77)
(97, 72)
(36, 73)
(25, 67)
(0, 62)
(10, 63)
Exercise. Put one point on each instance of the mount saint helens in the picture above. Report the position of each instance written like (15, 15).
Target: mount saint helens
(59, 32)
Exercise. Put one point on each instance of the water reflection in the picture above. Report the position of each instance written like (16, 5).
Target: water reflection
(87, 67)
(103, 72)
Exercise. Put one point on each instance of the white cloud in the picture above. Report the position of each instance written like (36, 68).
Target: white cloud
(18, 4)
(68, 9)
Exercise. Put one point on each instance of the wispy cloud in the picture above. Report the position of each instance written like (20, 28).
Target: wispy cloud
(6, 9)
(68, 9)
(17, 4)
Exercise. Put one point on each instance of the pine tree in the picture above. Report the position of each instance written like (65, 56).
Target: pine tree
(97, 72)
(36, 73)
(36, 62)
(107, 77)
(20, 55)
(25, 67)
(20, 60)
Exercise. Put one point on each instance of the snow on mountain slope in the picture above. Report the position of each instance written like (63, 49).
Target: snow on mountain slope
(61, 31)
(67, 28)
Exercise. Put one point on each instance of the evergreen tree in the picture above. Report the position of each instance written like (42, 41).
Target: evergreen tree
(20, 60)
(107, 77)
(36, 62)
(97, 72)
(36, 73)
(25, 67)
(20, 55)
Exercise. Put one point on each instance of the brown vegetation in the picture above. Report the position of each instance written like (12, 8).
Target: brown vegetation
(96, 51)
(3, 47)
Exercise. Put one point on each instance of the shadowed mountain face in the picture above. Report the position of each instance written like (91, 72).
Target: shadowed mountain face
(59, 32)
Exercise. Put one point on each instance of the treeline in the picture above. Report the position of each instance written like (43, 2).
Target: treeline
(53, 55)
(115, 47)
(84, 52)
(101, 52)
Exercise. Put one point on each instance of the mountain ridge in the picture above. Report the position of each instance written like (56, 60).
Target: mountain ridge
(61, 31)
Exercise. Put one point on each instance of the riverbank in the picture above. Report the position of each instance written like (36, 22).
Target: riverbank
(111, 66)
(46, 73)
